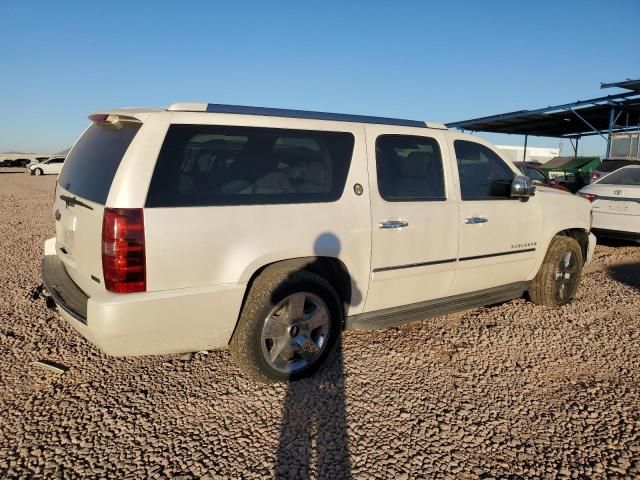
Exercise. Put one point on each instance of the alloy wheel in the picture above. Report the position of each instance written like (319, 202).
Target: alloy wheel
(296, 332)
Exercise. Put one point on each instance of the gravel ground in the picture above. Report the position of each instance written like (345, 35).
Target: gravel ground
(513, 391)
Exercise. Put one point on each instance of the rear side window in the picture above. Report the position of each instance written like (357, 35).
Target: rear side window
(205, 165)
(479, 169)
(409, 168)
(92, 163)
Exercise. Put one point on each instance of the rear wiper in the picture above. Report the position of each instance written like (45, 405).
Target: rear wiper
(71, 201)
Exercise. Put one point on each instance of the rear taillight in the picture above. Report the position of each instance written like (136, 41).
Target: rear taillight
(594, 176)
(589, 196)
(123, 259)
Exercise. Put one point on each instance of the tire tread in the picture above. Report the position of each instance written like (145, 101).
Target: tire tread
(542, 287)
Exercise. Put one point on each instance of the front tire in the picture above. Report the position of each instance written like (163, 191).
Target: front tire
(559, 276)
(288, 326)
(37, 171)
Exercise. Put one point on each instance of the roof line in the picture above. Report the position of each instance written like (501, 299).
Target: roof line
(585, 133)
(565, 106)
(304, 114)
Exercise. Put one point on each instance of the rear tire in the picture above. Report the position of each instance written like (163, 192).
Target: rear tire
(288, 326)
(559, 276)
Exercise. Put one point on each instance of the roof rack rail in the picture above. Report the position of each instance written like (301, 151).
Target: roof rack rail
(306, 114)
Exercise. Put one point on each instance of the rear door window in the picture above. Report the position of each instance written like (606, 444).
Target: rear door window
(409, 168)
(93, 161)
(201, 165)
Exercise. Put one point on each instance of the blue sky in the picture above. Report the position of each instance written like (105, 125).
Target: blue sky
(441, 61)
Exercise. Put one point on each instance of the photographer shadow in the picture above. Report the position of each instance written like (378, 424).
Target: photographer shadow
(313, 439)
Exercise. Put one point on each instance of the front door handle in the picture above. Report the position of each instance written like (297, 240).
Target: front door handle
(474, 220)
(393, 224)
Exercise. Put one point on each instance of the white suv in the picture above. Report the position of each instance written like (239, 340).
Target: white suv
(269, 231)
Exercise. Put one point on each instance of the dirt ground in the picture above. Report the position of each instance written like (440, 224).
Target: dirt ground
(513, 391)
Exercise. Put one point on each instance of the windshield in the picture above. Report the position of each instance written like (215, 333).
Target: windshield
(624, 176)
(92, 163)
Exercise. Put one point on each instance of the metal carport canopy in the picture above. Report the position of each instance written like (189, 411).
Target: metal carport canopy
(596, 116)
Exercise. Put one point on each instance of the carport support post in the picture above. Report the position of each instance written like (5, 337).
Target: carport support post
(524, 154)
(612, 112)
(575, 152)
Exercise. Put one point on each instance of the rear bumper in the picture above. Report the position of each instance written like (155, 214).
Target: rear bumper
(151, 323)
(627, 225)
(64, 292)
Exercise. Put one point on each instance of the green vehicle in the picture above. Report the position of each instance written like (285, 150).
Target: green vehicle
(571, 172)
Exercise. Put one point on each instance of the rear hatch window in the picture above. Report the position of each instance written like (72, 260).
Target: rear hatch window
(613, 165)
(623, 176)
(94, 159)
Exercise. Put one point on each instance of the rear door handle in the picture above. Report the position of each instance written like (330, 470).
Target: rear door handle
(393, 224)
(474, 220)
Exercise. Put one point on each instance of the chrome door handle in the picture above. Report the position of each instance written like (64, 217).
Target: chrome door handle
(474, 220)
(393, 224)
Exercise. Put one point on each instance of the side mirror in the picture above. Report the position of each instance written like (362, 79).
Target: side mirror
(522, 187)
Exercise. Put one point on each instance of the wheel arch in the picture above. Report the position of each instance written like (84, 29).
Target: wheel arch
(331, 269)
(580, 235)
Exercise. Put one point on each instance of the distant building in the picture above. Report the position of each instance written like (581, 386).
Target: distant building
(534, 154)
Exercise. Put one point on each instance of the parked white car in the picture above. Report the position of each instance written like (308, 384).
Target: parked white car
(51, 166)
(615, 201)
(269, 231)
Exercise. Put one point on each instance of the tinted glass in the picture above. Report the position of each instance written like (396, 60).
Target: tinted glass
(92, 163)
(533, 174)
(56, 160)
(612, 165)
(624, 176)
(220, 165)
(409, 168)
(479, 169)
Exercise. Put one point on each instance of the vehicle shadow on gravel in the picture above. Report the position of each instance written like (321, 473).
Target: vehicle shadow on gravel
(627, 273)
(313, 439)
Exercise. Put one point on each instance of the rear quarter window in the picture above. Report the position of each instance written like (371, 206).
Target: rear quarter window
(93, 161)
(208, 165)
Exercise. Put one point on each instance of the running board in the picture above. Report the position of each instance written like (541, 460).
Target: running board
(393, 317)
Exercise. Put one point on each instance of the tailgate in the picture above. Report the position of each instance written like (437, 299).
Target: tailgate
(79, 238)
(81, 194)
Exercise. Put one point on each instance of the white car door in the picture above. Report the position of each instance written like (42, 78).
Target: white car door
(499, 235)
(414, 220)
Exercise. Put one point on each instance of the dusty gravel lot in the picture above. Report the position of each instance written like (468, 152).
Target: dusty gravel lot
(513, 391)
